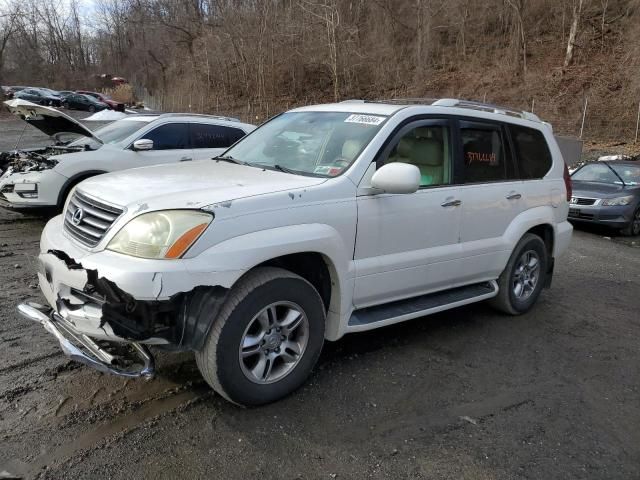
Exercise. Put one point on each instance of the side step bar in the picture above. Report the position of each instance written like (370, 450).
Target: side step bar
(82, 349)
(401, 310)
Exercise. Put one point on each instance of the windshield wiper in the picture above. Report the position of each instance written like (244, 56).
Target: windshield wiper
(230, 159)
(285, 169)
(615, 173)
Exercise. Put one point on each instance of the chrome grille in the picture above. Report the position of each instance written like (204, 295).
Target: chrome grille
(584, 201)
(89, 226)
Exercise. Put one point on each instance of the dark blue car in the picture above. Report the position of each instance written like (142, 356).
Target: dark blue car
(607, 193)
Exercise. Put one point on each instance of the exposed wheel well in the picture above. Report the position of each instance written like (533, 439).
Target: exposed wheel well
(312, 267)
(545, 232)
(72, 182)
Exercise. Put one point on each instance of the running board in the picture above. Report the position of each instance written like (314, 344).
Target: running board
(401, 310)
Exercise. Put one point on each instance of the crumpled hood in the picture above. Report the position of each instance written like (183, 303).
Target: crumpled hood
(190, 184)
(46, 119)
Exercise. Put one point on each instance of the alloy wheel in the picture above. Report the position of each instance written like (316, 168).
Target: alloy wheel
(274, 342)
(526, 275)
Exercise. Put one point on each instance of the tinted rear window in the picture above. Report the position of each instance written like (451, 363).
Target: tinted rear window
(214, 136)
(534, 157)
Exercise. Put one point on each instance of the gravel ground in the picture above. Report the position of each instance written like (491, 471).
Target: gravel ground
(466, 394)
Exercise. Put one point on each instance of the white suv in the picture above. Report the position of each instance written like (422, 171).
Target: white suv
(44, 177)
(326, 220)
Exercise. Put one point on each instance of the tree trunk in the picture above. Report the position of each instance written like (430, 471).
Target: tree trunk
(573, 32)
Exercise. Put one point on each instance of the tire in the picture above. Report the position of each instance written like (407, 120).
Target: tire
(65, 105)
(633, 228)
(220, 361)
(92, 108)
(508, 300)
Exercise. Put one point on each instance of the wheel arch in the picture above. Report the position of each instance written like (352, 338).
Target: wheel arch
(72, 182)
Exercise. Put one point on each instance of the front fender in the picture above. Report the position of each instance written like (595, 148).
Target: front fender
(242, 253)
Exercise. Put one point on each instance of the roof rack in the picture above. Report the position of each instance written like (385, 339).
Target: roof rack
(455, 102)
(217, 117)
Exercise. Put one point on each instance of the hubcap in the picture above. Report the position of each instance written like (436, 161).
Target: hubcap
(526, 275)
(274, 342)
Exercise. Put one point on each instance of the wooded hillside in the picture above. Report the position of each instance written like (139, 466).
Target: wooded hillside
(254, 58)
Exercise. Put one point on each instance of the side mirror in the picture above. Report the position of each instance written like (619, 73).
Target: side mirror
(397, 177)
(143, 144)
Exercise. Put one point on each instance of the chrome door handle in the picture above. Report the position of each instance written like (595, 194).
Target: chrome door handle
(514, 196)
(451, 203)
(186, 159)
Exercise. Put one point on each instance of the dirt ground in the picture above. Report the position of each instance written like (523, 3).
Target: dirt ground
(466, 394)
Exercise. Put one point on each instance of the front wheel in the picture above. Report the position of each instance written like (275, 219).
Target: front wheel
(524, 276)
(633, 228)
(92, 108)
(266, 339)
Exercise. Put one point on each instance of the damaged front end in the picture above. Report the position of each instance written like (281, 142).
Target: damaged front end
(101, 325)
(34, 159)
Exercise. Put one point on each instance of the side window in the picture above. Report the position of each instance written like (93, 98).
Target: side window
(485, 157)
(534, 157)
(213, 136)
(428, 148)
(171, 136)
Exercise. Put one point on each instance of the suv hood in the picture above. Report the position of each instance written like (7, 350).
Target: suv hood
(46, 119)
(190, 185)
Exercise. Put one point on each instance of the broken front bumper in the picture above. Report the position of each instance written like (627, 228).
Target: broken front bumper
(83, 349)
(104, 302)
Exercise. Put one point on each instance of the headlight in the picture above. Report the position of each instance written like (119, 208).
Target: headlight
(619, 201)
(163, 234)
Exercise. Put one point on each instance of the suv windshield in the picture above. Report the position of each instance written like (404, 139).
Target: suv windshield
(308, 143)
(598, 172)
(113, 133)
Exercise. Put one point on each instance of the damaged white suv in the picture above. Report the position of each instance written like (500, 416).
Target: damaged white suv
(43, 177)
(326, 220)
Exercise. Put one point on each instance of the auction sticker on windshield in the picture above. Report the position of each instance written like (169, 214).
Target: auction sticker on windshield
(365, 119)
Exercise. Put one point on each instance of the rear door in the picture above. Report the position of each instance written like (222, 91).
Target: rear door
(491, 195)
(210, 140)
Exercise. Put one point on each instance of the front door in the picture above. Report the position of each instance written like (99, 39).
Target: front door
(407, 244)
(171, 143)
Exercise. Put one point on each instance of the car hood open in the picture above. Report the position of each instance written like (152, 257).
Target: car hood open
(48, 120)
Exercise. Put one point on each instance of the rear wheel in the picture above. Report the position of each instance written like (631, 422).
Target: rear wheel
(92, 108)
(266, 340)
(633, 228)
(524, 276)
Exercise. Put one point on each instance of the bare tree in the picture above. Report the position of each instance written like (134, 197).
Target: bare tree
(573, 31)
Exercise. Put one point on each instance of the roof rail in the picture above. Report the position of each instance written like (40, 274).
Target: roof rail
(217, 117)
(458, 103)
(486, 107)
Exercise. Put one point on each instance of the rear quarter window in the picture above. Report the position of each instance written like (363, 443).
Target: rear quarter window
(532, 152)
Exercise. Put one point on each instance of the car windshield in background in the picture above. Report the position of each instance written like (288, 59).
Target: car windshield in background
(615, 173)
(308, 143)
(114, 132)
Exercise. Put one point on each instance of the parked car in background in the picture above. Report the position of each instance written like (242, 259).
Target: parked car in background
(113, 105)
(327, 220)
(43, 180)
(39, 96)
(78, 101)
(607, 193)
(10, 91)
